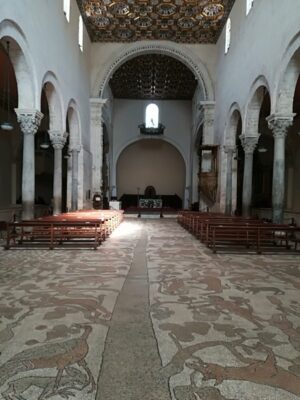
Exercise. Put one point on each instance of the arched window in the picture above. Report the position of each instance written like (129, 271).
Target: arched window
(80, 33)
(227, 35)
(152, 116)
(67, 9)
(249, 4)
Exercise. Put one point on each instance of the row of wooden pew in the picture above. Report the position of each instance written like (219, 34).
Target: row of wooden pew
(74, 229)
(222, 232)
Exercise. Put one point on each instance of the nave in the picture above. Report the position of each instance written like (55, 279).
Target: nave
(151, 314)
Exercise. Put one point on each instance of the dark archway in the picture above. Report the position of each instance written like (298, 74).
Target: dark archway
(151, 162)
(263, 159)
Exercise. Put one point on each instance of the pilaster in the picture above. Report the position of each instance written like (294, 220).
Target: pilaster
(96, 112)
(229, 150)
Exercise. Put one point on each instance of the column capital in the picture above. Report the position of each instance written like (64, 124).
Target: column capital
(249, 143)
(207, 110)
(58, 139)
(75, 148)
(279, 124)
(29, 120)
(96, 106)
(229, 149)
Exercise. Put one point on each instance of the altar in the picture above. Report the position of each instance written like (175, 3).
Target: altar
(150, 203)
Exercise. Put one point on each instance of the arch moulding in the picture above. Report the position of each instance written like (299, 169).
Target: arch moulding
(253, 105)
(233, 116)
(190, 60)
(23, 64)
(55, 100)
(284, 84)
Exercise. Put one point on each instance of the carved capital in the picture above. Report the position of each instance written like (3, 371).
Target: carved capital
(229, 149)
(29, 120)
(279, 124)
(249, 143)
(58, 139)
(96, 109)
(207, 113)
(75, 148)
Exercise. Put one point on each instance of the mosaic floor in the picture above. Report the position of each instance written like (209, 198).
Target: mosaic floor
(227, 327)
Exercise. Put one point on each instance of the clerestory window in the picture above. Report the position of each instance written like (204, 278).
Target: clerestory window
(80, 33)
(227, 35)
(67, 9)
(249, 5)
(152, 114)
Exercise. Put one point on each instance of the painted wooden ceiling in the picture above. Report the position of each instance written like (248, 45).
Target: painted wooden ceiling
(181, 21)
(153, 76)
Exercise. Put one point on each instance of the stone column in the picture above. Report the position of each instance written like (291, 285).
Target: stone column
(58, 140)
(96, 107)
(29, 121)
(249, 143)
(279, 124)
(74, 199)
(229, 150)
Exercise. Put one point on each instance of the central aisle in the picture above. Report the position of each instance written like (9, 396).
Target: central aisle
(131, 364)
(151, 315)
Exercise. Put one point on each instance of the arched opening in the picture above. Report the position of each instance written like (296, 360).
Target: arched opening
(151, 162)
(263, 159)
(292, 198)
(44, 162)
(238, 166)
(10, 140)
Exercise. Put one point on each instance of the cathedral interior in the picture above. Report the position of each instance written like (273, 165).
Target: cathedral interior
(149, 199)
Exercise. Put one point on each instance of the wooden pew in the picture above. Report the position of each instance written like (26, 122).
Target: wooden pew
(53, 234)
(250, 236)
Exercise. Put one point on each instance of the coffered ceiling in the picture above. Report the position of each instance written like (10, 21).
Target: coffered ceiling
(153, 76)
(182, 21)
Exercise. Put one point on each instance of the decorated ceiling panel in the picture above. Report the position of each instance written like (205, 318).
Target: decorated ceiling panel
(153, 76)
(182, 21)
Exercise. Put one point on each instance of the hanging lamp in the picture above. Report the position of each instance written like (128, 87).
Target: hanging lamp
(45, 144)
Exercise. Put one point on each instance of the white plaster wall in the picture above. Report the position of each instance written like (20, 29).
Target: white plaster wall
(52, 45)
(176, 115)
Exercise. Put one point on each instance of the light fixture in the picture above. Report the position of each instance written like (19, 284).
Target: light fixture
(45, 143)
(6, 125)
(262, 149)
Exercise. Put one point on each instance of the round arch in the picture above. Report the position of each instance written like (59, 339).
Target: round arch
(151, 161)
(21, 59)
(51, 86)
(74, 123)
(287, 77)
(165, 139)
(190, 60)
(255, 99)
(234, 116)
